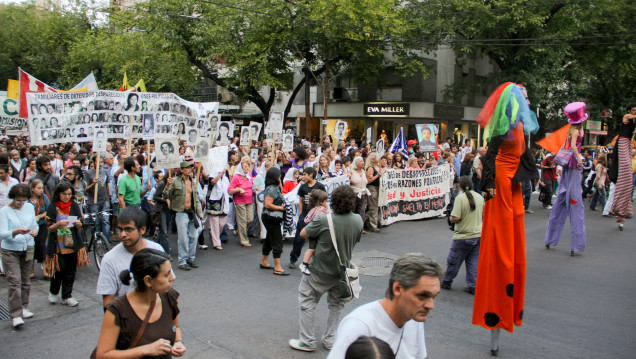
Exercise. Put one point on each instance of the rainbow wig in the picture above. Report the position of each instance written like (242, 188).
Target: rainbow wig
(505, 108)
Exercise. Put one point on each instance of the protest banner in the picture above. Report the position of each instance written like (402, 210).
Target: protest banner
(73, 117)
(413, 194)
(9, 119)
(292, 199)
(216, 161)
(426, 137)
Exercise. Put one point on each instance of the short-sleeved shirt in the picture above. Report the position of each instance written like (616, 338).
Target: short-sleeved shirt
(113, 263)
(274, 193)
(304, 193)
(129, 322)
(348, 229)
(131, 189)
(102, 195)
(372, 320)
(470, 224)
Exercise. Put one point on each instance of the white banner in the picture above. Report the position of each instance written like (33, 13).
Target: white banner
(292, 198)
(9, 118)
(413, 194)
(74, 116)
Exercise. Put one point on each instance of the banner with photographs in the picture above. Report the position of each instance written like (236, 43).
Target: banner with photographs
(9, 119)
(75, 116)
(414, 194)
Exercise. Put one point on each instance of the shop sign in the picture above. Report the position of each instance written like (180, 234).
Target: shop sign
(387, 109)
(597, 132)
(593, 125)
(446, 111)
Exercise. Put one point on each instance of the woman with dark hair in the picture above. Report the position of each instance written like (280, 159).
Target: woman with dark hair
(621, 170)
(369, 348)
(40, 203)
(467, 215)
(273, 215)
(18, 228)
(132, 103)
(154, 299)
(65, 250)
(467, 165)
(398, 160)
(180, 129)
(299, 159)
(29, 171)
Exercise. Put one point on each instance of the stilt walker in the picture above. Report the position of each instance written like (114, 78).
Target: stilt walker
(499, 293)
(621, 171)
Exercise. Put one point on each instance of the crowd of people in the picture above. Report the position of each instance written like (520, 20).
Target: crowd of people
(46, 190)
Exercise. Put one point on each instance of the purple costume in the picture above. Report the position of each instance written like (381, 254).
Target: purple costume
(569, 201)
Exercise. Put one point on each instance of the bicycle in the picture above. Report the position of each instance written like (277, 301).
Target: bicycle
(95, 241)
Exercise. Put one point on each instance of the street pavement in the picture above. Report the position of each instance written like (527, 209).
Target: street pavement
(575, 307)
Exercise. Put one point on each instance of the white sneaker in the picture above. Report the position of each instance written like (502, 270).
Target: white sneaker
(303, 268)
(18, 322)
(71, 302)
(26, 314)
(203, 246)
(53, 298)
(548, 207)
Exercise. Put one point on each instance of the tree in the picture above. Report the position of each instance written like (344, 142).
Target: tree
(562, 51)
(38, 41)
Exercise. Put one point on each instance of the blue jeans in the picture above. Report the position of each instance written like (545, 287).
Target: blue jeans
(463, 250)
(167, 216)
(601, 194)
(187, 237)
(103, 220)
(299, 241)
(526, 187)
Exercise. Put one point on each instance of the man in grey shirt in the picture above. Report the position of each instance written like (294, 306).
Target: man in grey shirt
(130, 229)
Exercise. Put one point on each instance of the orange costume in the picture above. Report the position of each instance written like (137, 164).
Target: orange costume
(501, 272)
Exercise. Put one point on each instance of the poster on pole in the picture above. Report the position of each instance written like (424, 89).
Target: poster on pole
(414, 194)
(340, 130)
(426, 137)
(168, 154)
(254, 155)
(10, 119)
(213, 120)
(369, 134)
(217, 160)
(74, 116)
(224, 133)
(275, 123)
(100, 140)
(288, 143)
(201, 151)
(255, 130)
(379, 148)
(245, 136)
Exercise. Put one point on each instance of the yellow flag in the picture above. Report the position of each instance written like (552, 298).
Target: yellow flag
(125, 85)
(140, 86)
(13, 89)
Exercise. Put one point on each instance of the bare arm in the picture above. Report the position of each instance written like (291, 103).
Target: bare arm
(107, 299)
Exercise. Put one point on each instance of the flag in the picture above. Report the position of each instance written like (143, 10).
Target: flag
(399, 144)
(29, 83)
(125, 85)
(13, 89)
(140, 86)
(87, 84)
(556, 140)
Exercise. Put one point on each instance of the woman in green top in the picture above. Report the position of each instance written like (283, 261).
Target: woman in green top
(467, 215)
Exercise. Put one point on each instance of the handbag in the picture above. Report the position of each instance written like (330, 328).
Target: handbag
(349, 283)
(141, 331)
(214, 206)
(563, 157)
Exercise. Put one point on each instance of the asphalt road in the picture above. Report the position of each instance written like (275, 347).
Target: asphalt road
(580, 307)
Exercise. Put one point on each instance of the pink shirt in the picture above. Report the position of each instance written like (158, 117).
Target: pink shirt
(239, 181)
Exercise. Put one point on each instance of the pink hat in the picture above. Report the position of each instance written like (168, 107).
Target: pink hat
(575, 112)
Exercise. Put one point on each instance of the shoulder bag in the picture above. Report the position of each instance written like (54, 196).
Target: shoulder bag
(563, 157)
(349, 278)
(141, 331)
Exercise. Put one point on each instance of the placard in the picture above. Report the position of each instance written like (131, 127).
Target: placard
(288, 143)
(245, 136)
(426, 137)
(275, 123)
(100, 140)
(255, 130)
(340, 130)
(168, 155)
(224, 133)
(217, 160)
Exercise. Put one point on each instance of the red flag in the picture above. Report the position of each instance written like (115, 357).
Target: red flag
(555, 141)
(29, 83)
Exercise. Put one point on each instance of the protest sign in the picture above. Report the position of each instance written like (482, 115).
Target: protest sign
(224, 134)
(167, 156)
(9, 119)
(275, 123)
(379, 148)
(292, 199)
(217, 160)
(255, 130)
(245, 136)
(426, 137)
(340, 130)
(254, 155)
(201, 151)
(413, 194)
(73, 117)
(288, 143)
(100, 140)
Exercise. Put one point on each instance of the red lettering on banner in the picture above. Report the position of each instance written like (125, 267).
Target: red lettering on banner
(402, 195)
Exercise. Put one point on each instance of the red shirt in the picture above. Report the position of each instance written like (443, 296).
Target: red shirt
(549, 173)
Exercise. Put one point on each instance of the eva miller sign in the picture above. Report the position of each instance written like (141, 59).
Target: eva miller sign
(386, 109)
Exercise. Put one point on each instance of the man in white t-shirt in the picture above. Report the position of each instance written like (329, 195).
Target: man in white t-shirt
(131, 226)
(464, 150)
(399, 318)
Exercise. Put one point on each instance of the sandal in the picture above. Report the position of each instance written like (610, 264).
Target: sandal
(283, 273)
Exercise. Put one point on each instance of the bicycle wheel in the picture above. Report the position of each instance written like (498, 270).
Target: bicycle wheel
(100, 249)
